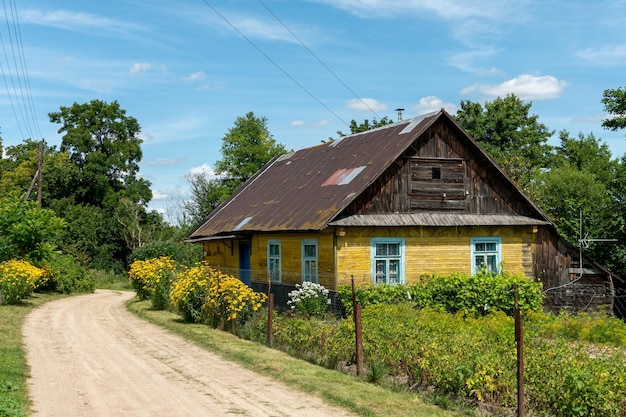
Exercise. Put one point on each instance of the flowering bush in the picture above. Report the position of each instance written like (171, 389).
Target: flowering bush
(189, 292)
(310, 299)
(17, 280)
(152, 279)
(230, 301)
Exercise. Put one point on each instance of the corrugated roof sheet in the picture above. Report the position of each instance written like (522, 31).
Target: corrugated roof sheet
(438, 219)
(306, 189)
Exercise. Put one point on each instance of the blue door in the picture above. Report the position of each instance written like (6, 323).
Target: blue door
(244, 261)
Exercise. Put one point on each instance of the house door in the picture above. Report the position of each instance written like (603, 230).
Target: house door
(244, 261)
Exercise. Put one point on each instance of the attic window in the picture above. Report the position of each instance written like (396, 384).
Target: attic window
(436, 173)
(343, 176)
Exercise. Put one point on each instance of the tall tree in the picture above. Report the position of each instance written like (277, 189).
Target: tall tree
(615, 104)
(103, 143)
(585, 179)
(510, 134)
(246, 147)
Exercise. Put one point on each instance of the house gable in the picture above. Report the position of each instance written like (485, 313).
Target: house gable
(443, 171)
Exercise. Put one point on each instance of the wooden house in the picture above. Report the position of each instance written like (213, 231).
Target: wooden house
(390, 205)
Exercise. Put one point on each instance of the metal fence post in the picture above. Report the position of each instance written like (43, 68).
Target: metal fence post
(356, 313)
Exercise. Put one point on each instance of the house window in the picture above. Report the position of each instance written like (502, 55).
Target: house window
(387, 255)
(486, 253)
(274, 260)
(436, 173)
(309, 260)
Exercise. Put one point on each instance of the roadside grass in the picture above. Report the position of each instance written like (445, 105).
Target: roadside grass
(352, 393)
(109, 280)
(14, 401)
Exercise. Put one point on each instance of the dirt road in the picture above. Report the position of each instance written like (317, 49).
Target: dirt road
(90, 357)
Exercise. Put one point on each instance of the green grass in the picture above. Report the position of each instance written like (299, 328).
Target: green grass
(108, 280)
(337, 388)
(14, 400)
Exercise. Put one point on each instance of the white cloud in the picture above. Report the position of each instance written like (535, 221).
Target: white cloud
(302, 123)
(204, 169)
(447, 9)
(76, 21)
(139, 67)
(432, 103)
(166, 161)
(605, 55)
(366, 104)
(157, 195)
(525, 86)
(196, 76)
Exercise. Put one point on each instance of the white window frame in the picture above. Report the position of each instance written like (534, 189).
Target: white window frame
(485, 253)
(275, 276)
(312, 276)
(400, 258)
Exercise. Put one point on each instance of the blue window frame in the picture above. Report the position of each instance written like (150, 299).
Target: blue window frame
(274, 260)
(486, 252)
(387, 258)
(309, 260)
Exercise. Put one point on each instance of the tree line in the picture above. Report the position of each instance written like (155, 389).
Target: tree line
(95, 205)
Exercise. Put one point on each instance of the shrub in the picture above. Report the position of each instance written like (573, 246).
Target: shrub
(189, 292)
(17, 280)
(309, 299)
(67, 276)
(470, 294)
(152, 279)
(229, 301)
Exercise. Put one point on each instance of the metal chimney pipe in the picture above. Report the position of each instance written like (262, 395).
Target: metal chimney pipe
(399, 114)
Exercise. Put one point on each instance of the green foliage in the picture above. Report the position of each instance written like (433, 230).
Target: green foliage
(309, 299)
(246, 148)
(68, 276)
(469, 294)
(104, 145)
(507, 131)
(473, 357)
(614, 101)
(183, 253)
(27, 232)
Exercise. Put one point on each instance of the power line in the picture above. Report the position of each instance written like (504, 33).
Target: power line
(318, 59)
(274, 63)
(19, 92)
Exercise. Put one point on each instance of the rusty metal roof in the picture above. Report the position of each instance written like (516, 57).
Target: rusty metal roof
(306, 189)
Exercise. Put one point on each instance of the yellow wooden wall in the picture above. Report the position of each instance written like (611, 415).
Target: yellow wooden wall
(432, 250)
(428, 250)
(291, 255)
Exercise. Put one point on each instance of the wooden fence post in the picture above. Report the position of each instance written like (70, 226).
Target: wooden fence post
(519, 340)
(356, 314)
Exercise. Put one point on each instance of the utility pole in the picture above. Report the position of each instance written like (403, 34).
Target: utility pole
(39, 173)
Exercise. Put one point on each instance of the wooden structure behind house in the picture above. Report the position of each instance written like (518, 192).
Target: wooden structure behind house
(390, 205)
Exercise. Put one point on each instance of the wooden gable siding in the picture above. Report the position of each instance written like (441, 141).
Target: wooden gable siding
(432, 250)
(406, 186)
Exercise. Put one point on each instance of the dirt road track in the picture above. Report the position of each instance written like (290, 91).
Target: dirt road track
(90, 357)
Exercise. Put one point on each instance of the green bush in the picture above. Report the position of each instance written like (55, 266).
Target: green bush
(470, 294)
(68, 276)
(309, 299)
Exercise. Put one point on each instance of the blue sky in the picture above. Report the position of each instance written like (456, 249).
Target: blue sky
(187, 69)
